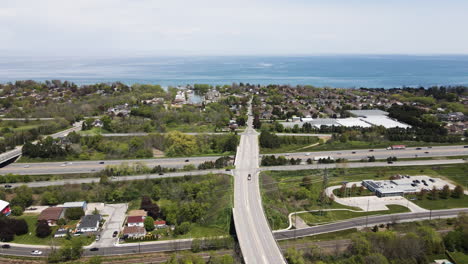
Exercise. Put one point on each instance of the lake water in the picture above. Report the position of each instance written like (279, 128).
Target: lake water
(335, 71)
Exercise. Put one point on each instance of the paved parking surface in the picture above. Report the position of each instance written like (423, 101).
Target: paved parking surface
(114, 214)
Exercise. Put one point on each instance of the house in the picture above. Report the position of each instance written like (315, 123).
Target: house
(82, 204)
(5, 208)
(134, 231)
(51, 215)
(159, 224)
(142, 213)
(89, 223)
(135, 221)
(62, 232)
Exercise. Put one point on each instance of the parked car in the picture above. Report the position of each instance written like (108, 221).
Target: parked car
(8, 186)
(115, 233)
(6, 246)
(432, 180)
(98, 237)
(36, 252)
(228, 169)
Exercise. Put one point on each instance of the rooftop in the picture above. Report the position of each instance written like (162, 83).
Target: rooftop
(133, 230)
(3, 204)
(135, 219)
(372, 112)
(73, 204)
(89, 221)
(51, 213)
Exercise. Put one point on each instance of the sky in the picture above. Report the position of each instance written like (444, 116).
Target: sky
(240, 27)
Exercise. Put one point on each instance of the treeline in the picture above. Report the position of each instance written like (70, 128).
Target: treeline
(272, 160)
(218, 163)
(10, 138)
(386, 247)
(268, 139)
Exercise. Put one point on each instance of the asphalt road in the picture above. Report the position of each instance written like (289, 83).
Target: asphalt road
(358, 154)
(253, 232)
(184, 244)
(118, 178)
(93, 166)
(369, 221)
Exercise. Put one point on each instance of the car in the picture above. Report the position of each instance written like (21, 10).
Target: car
(228, 169)
(427, 152)
(390, 162)
(63, 165)
(115, 233)
(354, 152)
(431, 180)
(31, 209)
(287, 155)
(94, 249)
(98, 237)
(418, 148)
(26, 166)
(465, 146)
(161, 173)
(249, 177)
(187, 160)
(101, 162)
(371, 150)
(8, 186)
(307, 154)
(6, 246)
(36, 252)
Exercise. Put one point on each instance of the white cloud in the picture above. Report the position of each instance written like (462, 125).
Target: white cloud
(130, 27)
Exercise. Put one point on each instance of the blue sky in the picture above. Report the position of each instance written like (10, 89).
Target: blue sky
(241, 27)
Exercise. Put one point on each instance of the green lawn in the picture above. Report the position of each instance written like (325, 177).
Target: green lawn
(459, 257)
(316, 218)
(337, 145)
(442, 203)
(338, 235)
(284, 148)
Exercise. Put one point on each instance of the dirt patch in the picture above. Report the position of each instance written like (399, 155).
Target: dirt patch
(157, 153)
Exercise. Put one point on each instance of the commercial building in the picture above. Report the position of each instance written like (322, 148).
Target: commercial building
(390, 188)
(5, 208)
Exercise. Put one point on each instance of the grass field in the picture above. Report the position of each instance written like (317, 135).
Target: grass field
(316, 218)
(283, 193)
(442, 203)
(337, 145)
(459, 257)
(292, 147)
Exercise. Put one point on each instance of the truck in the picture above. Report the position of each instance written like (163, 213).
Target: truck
(395, 147)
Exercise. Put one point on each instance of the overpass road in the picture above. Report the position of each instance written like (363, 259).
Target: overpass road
(253, 232)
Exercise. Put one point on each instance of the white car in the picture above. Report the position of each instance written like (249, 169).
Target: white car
(26, 166)
(307, 154)
(36, 252)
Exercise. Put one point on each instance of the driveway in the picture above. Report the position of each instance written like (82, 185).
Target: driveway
(114, 214)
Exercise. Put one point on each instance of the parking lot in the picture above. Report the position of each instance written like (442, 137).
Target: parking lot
(114, 215)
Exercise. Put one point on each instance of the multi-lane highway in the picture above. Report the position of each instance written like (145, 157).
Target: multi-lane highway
(253, 232)
(358, 154)
(93, 166)
(351, 155)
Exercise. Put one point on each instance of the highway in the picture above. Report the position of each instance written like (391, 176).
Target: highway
(117, 178)
(253, 232)
(94, 166)
(140, 134)
(358, 154)
(173, 245)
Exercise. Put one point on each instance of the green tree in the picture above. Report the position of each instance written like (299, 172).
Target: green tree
(43, 229)
(458, 192)
(182, 229)
(179, 144)
(293, 256)
(17, 210)
(23, 196)
(49, 198)
(74, 213)
(149, 223)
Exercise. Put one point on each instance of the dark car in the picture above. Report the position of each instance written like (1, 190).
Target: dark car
(228, 169)
(354, 152)
(115, 233)
(431, 180)
(161, 173)
(390, 162)
(94, 249)
(465, 146)
(249, 177)
(101, 162)
(418, 148)
(8, 186)
(187, 160)
(6, 246)
(371, 150)
(427, 152)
